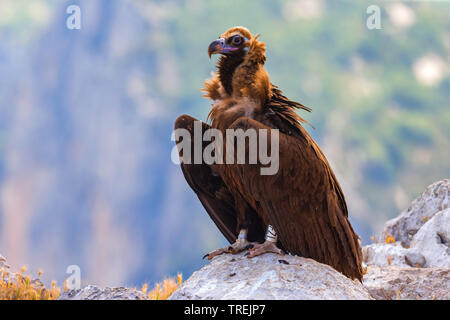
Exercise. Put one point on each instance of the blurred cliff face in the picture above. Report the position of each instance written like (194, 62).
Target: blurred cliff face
(86, 144)
(86, 117)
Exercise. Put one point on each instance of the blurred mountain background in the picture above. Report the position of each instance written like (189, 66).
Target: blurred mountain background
(86, 118)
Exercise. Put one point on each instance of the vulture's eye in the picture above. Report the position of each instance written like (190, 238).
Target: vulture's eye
(237, 40)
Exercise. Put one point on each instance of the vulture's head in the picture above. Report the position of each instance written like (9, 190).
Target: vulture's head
(235, 41)
(242, 54)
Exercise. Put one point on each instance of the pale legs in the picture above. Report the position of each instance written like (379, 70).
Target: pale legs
(269, 245)
(239, 245)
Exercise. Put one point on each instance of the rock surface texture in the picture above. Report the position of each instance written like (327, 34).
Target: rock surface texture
(417, 264)
(3, 264)
(96, 293)
(436, 198)
(399, 283)
(421, 233)
(269, 276)
(433, 240)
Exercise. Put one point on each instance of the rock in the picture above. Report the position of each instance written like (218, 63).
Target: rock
(433, 240)
(95, 293)
(269, 276)
(436, 198)
(3, 264)
(415, 259)
(414, 266)
(421, 233)
(399, 283)
(417, 265)
(429, 247)
(383, 255)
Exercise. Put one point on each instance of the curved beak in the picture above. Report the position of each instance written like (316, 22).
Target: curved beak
(217, 46)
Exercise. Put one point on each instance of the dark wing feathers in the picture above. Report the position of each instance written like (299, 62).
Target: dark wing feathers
(303, 201)
(283, 116)
(219, 203)
(210, 189)
(214, 195)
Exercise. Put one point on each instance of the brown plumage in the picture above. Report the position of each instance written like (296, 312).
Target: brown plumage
(303, 200)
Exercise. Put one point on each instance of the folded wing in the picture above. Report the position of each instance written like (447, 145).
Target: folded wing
(302, 201)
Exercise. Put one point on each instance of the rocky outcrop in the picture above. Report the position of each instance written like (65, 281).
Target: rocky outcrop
(269, 276)
(96, 293)
(400, 283)
(436, 198)
(3, 264)
(409, 261)
(383, 255)
(433, 240)
(419, 236)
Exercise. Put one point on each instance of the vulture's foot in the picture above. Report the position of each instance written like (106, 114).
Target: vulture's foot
(239, 246)
(266, 247)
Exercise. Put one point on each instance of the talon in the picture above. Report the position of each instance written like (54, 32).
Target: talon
(266, 247)
(241, 244)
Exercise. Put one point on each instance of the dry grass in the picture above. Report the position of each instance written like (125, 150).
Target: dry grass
(162, 292)
(18, 286)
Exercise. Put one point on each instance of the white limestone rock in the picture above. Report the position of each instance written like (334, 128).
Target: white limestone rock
(383, 255)
(399, 283)
(268, 277)
(421, 233)
(433, 240)
(95, 293)
(436, 198)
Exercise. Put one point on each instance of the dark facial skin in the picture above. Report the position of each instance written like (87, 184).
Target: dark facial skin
(226, 46)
